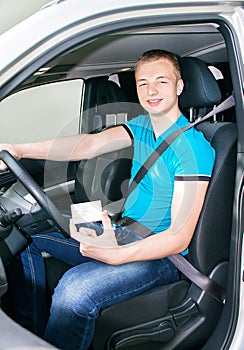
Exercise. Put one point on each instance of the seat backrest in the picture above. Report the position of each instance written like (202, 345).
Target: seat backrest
(214, 225)
(112, 105)
(104, 177)
(211, 240)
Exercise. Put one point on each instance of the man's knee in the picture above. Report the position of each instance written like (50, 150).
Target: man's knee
(70, 296)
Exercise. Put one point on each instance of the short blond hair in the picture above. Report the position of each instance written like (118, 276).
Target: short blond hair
(157, 54)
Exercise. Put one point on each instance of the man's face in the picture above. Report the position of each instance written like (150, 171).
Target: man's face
(158, 88)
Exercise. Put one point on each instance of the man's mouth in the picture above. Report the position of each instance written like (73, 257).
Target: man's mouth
(154, 102)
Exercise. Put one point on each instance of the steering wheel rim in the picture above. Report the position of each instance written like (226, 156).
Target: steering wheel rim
(35, 190)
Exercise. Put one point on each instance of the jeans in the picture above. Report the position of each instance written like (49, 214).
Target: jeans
(84, 290)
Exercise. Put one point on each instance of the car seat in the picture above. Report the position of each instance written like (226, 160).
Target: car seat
(110, 171)
(180, 315)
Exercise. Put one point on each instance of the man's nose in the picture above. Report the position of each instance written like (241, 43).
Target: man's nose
(152, 89)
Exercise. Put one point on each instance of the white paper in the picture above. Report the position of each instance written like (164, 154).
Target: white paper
(86, 212)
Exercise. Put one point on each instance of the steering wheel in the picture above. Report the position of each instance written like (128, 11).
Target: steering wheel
(35, 190)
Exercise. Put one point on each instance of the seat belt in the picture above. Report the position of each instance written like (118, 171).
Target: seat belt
(226, 104)
(182, 264)
(198, 278)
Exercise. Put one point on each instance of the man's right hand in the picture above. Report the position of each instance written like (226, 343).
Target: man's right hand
(12, 149)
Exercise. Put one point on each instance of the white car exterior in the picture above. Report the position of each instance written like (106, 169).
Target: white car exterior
(26, 47)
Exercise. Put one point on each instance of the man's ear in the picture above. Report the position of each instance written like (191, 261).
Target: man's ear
(179, 87)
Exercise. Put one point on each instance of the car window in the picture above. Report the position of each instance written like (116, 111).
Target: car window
(42, 112)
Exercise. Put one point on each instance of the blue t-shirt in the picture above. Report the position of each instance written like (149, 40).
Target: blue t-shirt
(189, 157)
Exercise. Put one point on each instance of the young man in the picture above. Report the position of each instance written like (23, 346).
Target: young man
(168, 201)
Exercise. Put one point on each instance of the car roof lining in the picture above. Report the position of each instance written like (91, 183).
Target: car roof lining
(106, 54)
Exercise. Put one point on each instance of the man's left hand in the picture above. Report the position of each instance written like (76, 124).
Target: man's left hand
(103, 248)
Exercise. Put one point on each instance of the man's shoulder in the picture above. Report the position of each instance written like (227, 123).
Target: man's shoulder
(140, 120)
(139, 125)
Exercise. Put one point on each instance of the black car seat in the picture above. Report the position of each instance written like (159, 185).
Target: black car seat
(128, 83)
(107, 104)
(180, 315)
(110, 171)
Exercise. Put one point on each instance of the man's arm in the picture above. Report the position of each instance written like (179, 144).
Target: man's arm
(187, 203)
(72, 148)
(186, 207)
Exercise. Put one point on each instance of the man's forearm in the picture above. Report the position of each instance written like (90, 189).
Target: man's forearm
(76, 147)
(154, 247)
(62, 149)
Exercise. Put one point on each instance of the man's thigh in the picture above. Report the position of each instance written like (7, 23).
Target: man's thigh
(106, 284)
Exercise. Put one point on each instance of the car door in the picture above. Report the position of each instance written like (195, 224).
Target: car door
(69, 27)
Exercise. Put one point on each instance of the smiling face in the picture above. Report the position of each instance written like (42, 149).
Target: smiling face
(158, 88)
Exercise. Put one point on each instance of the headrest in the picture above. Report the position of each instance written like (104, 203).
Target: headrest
(108, 92)
(110, 98)
(201, 88)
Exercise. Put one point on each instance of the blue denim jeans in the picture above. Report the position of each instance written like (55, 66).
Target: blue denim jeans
(84, 290)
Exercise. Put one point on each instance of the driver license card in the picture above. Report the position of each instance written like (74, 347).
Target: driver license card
(86, 212)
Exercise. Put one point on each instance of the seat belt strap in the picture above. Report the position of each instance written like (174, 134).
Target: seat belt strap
(198, 278)
(226, 104)
(182, 264)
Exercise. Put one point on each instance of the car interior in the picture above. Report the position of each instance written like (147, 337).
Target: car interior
(175, 316)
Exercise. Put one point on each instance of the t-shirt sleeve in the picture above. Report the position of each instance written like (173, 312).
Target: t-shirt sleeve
(194, 159)
(128, 129)
(136, 126)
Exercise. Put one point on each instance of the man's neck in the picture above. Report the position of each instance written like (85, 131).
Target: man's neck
(162, 123)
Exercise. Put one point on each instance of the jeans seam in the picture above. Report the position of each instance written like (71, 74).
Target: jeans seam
(58, 240)
(91, 312)
(34, 293)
